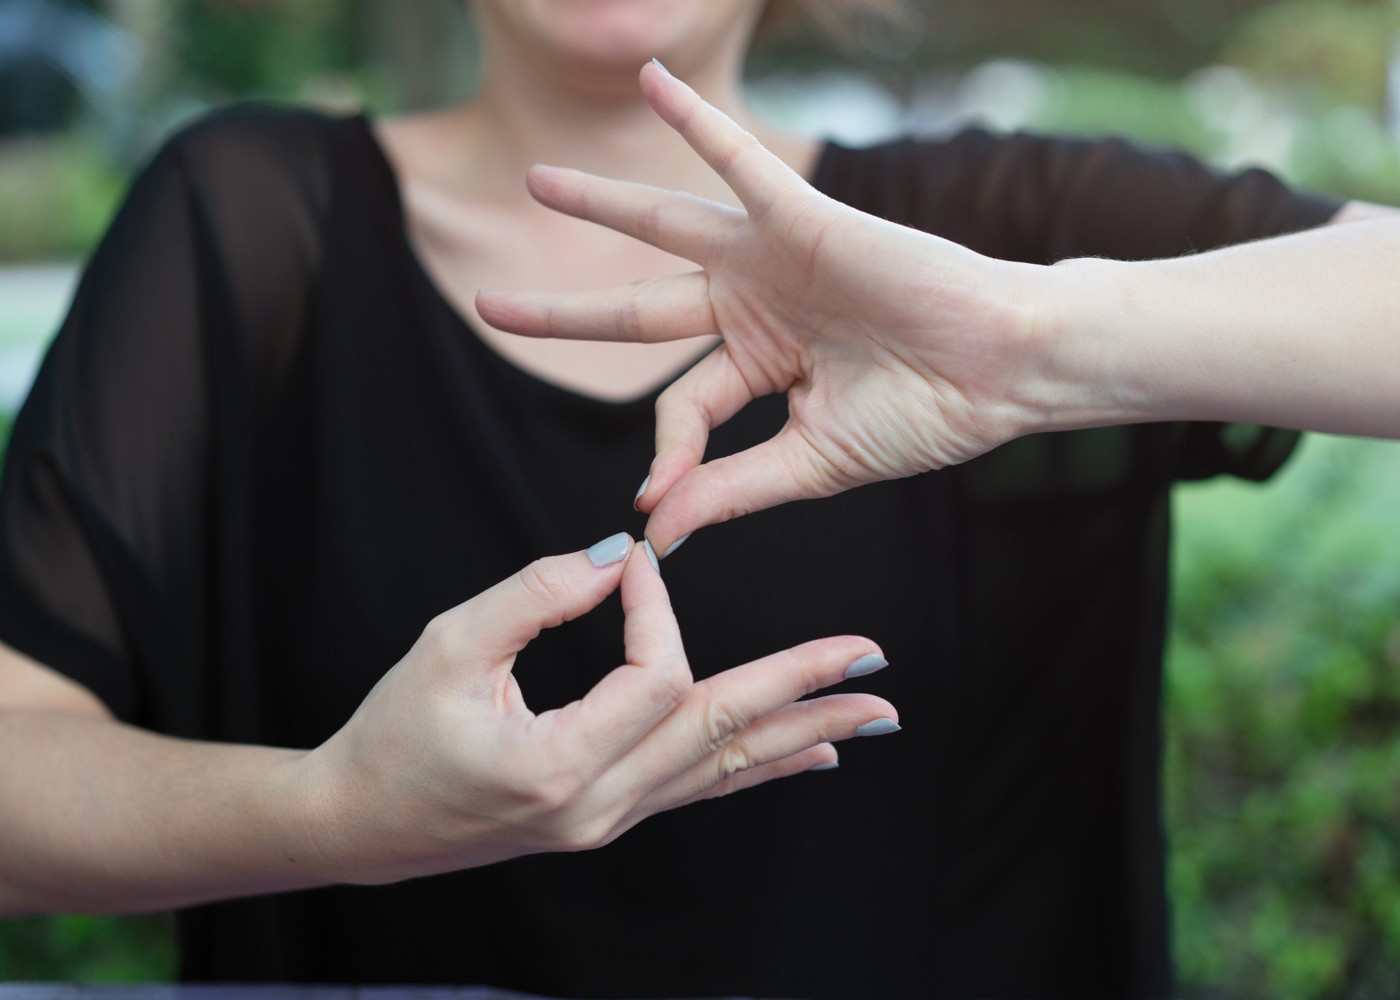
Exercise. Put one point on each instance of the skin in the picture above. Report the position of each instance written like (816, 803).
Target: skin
(553, 92)
(444, 766)
(900, 352)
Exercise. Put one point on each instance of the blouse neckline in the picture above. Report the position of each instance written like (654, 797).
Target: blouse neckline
(393, 189)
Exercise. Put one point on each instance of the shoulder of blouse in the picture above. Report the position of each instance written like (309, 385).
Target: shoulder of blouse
(257, 153)
(262, 124)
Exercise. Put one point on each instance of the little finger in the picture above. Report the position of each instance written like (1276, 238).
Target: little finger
(777, 737)
(821, 757)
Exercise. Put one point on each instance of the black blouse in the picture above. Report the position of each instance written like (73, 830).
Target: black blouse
(264, 451)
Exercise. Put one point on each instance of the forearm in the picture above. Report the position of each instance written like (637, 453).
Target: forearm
(96, 816)
(1299, 331)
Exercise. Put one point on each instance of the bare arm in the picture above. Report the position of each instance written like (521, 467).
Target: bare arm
(100, 816)
(442, 767)
(1299, 331)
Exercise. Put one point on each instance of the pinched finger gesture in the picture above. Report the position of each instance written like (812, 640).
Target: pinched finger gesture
(881, 336)
(445, 766)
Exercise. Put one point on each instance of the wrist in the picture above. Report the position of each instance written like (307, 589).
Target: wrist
(350, 831)
(322, 821)
(1082, 346)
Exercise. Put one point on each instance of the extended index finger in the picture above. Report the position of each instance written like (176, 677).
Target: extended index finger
(753, 173)
(628, 703)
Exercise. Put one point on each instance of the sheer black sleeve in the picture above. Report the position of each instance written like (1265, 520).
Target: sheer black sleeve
(117, 466)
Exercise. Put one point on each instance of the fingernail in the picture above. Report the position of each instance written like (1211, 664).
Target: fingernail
(867, 664)
(657, 63)
(612, 549)
(676, 544)
(651, 555)
(640, 490)
(833, 765)
(878, 727)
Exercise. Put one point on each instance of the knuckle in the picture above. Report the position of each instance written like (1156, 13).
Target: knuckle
(587, 834)
(728, 159)
(439, 635)
(724, 787)
(734, 759)
(555, 792)
(731, 509)
(679, 403)
(544, 580)
(803, 669)
(674, 688)
(718, 724)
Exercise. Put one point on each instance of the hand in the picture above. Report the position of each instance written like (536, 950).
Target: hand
(895, 348)
(444, 767)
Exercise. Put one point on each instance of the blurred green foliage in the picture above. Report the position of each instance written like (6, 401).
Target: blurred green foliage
(1339, 148)
(88, 949)
(271, 48)
(1319, 44)
(1283, 681)
(56, 195)
(1284, 729)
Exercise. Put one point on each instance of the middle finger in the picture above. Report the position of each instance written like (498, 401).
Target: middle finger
(722, 706)
(679, 223)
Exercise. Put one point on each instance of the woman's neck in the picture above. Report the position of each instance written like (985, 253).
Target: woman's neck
(474, 225)
(521, 115)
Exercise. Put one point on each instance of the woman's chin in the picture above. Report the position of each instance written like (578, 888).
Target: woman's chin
(610, 36)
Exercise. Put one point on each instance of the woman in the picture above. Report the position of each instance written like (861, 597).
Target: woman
(274, 439)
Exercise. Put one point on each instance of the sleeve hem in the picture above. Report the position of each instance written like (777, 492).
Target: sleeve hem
(77, 657)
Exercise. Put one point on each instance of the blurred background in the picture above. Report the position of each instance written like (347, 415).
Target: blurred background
(1283, 680)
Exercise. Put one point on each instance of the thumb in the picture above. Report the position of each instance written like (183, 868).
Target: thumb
(498, 623)
(779, 470)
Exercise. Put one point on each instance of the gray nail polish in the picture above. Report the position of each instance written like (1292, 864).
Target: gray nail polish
(651, 555)
(878, 727)
(867, 664)
(612, 549)
(657, 63)
(676, 544)
(640, 490)
(825, 767)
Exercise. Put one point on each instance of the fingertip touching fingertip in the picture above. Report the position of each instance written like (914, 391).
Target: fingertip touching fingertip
(651, 556)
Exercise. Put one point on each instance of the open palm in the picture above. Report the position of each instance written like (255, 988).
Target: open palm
(893, 346)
